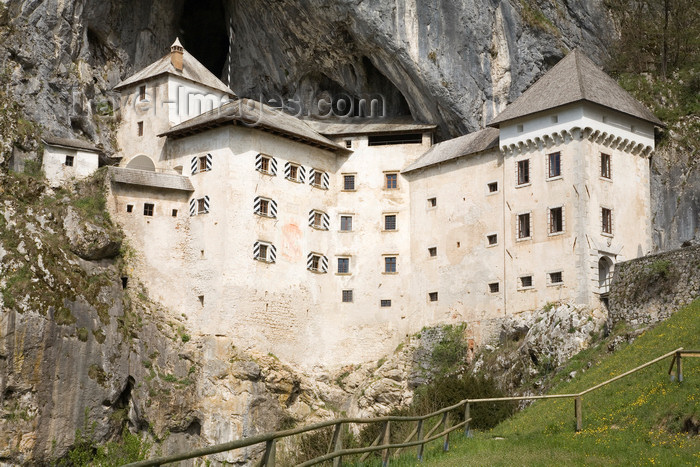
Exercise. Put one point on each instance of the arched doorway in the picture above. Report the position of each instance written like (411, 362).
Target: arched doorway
(605, 270)
(141, 163)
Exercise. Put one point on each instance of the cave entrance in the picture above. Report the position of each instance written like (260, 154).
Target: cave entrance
(205, 33)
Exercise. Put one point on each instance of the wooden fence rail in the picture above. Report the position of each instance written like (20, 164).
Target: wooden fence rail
(383, 440)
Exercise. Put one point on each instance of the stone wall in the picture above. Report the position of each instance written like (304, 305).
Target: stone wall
(649, 289)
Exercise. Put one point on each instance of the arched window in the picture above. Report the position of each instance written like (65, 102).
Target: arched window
(141, 163)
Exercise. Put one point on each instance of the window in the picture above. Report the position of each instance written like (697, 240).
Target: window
(319, 179)
(384, 303)
(432, 251)
(348, 182)
(432, 202)
(390, 222)
(201, 163)
(554, 119)
(148, 209)
(494, 287)
(390, 264)
(348, 143)
(316, 262)
(493, 187)
(402, 138)
(492, 239)
(174, 213)
(605, 169)
(345, 223)
(525, 282)
(265, 252)
(142, 93)
(555, 278)
(391, 181)
(139, 128)
(554, 163)
(203, 205)
(343, 265)
(265, 207)
(606, 221)
(129, 208)
(524, 226)
(293, 172)
(520, 128)
(524, 172)
(266, 164)
(69, 161)
(556, 220)
(433, 296)
(347, 296)
(319, 220)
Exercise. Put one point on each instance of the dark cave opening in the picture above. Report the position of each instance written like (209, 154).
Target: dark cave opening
(204, 33)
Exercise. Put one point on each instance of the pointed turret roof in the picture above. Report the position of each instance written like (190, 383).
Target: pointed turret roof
(575, 78)
(192, 70)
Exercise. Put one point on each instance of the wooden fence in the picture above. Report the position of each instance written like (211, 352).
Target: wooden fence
(383, 442)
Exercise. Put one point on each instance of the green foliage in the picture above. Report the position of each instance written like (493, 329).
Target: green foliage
(638, 420)
(63, 317)
(450, 353)
(533, 16)
(87, 452)
(185, 337)
(82, 334)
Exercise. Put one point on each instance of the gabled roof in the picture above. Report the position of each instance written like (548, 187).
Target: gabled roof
(457, 147)
(256, 115)
(70, 143)
(150, 179)
(575, 78)
(192, 70)
(365, 125)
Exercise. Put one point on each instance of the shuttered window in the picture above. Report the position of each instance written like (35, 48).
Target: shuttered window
(319, 220)
(317, 262)
(264, 251)
(266, 164)
(201, 164)
(319, 179)
(265, 207)
(199, 206)
(294, 172)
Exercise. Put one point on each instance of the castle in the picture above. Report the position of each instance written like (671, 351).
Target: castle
(326, 241)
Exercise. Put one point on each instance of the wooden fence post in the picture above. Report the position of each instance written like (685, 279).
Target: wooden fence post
(337, 444)
(445, 426)
(466, 419)
(268, 459)
(419, 437)
(679, 367)
(386, 440)
(577, 412)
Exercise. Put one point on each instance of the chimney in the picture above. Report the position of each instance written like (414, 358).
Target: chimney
(176, 52)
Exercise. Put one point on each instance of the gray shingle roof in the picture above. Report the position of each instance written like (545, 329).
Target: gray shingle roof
(70, 143)
(255, 115)
(575, 78)
(457, 147)
(192, 70)
(363, 125)
(150, 179)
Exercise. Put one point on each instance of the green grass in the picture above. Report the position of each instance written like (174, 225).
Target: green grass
(634, 421)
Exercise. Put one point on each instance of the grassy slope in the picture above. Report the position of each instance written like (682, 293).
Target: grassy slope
(636, 420)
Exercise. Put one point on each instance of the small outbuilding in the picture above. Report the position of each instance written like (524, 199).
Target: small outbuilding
(66, 159)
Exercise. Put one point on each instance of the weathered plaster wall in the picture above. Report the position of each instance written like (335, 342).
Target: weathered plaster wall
(56, 170)
(649, 289)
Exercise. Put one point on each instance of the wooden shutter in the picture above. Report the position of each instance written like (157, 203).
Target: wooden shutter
(256, 205)
(326, 221)
(193, 207)
(272, 253)
(324, 264)
(309, 260)
(206, 203)
(312, 214)
(302, 174)
(311, 175)
(209, 161)
(256, 250)
(273, 166)
(326, 180)
(287, 170)
(258, 162)
(193, 165)
(273, 208)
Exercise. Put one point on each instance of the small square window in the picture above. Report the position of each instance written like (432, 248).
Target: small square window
(202, 206)
(346, 223)
(526, 282)
(265, 164)
(554, 163)
(139, 128)
(294, 172)
(262, 255)
(432, 251)
(494, 287)
(605, 169)
(318, 220)
(202, 164)
(524, 225)
(318, 178)
(174, 212)
(264, 207)
(315, 261)
(492, 239)
(384, 303)
(392, 181)
(348, 182)
(390, 264)
(433, 296)
(347, 296)
(520, 128)
(493, 187)
(129, 208)
(556, 220)
(607, 221)
(148, 209)
(555, 277)
(343, 265)
(555, 119)
(390, 222)
(69, 161)
(524, 172)
(432, 202)
(348, 143)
